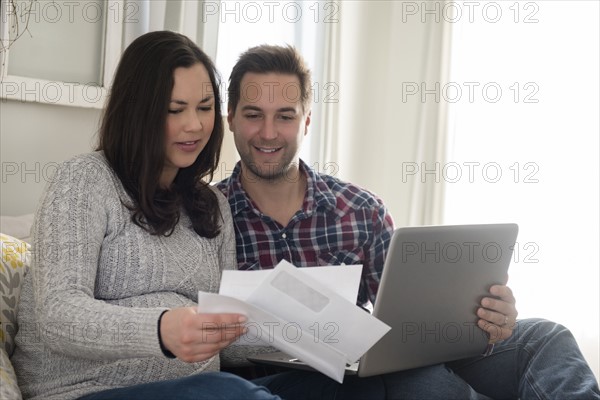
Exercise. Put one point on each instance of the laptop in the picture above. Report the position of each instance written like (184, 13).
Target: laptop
(433, 280)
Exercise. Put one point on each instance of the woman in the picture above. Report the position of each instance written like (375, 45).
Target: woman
(126, 236)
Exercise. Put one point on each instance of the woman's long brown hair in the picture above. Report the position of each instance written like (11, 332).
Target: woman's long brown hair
(132, 135)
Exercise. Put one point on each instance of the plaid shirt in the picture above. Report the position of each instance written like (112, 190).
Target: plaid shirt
(339, 223)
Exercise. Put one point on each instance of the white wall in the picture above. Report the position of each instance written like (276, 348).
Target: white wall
(33, 138)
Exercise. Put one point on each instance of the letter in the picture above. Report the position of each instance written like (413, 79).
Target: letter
(471, 7)
(285, 12)
(271, 90)
(209, 329)
(409, 88)
(425, 332)
(271, 330)
(35, 172)
(71, 5)
(87, 88)
(497, 8)
(455, 86)
(435, 172)
(485, 91)
(471, 246)
(35, 92)
(498, 252)
(435, 92)
(57, 12)
(471, 86)
(257, 13)
(92, 332)
(457, 332)
(298, 334)
(253, 332)
(268, 4)
(448, 14)
(409, 249)
(498, 169)
(457, 252)
(408, 168)
(470, 165)
(209, 8)
(457, 175)
(408, 8)
(97, 13)
(435, 252)
(46, 94)
(435, 12)
(408, 329)
(295, 96)
(225, 11)
(9, 168)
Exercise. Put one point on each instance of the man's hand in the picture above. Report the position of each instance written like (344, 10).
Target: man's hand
(194, 337)
(498, 315)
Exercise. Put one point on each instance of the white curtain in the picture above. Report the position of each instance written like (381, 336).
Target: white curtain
(539, 135)
(378, 133)
(186, 17)
(175, 15)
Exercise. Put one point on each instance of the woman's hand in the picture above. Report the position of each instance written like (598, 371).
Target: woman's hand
(194, 337)
(498, 315)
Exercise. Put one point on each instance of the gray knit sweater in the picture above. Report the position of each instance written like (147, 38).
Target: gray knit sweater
(88, 317)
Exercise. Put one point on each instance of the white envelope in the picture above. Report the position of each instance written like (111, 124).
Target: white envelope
(292, 311)
(342, 279)
(328, 317)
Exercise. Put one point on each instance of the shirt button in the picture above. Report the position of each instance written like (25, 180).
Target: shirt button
(283, 235)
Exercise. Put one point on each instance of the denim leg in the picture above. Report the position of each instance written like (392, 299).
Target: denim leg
(541, 360)
(204, 386)
(435, 382)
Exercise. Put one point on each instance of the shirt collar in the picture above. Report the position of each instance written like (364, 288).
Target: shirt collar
(318, 193)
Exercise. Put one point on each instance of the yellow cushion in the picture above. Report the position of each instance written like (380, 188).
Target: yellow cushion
(13, 267)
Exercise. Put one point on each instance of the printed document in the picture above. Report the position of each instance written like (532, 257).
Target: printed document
(305, 312)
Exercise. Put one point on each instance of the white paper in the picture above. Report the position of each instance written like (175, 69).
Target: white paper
(266, 328)
(317, 309)
(342, 279)
(296, 313)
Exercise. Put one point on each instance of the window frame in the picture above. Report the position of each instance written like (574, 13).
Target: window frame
(36, 90)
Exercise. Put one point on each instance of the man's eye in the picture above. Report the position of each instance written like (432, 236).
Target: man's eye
(287, 117)
(252, 116)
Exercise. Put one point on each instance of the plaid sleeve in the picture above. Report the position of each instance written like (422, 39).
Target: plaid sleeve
(382, 230)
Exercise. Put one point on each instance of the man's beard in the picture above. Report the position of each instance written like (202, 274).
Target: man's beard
(270, 171)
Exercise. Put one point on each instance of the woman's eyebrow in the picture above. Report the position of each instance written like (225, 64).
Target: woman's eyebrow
(184, 103)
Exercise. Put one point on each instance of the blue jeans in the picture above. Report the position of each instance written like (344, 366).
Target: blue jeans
(204, 386)
(541, 360)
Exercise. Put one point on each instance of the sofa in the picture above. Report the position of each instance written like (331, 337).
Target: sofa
(14, 263)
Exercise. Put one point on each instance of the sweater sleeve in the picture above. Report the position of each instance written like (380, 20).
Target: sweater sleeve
(227, 254)
(234, 355)
(71, 222)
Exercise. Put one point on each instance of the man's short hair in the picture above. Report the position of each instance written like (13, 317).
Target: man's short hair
(266, 59)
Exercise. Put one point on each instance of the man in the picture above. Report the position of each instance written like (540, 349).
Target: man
(282, 209)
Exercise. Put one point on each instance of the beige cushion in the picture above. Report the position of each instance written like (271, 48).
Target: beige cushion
(13, 267)
(17, 227)
(8, 381)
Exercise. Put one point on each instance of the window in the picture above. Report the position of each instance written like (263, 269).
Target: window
(524, 99)
(246, 24)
